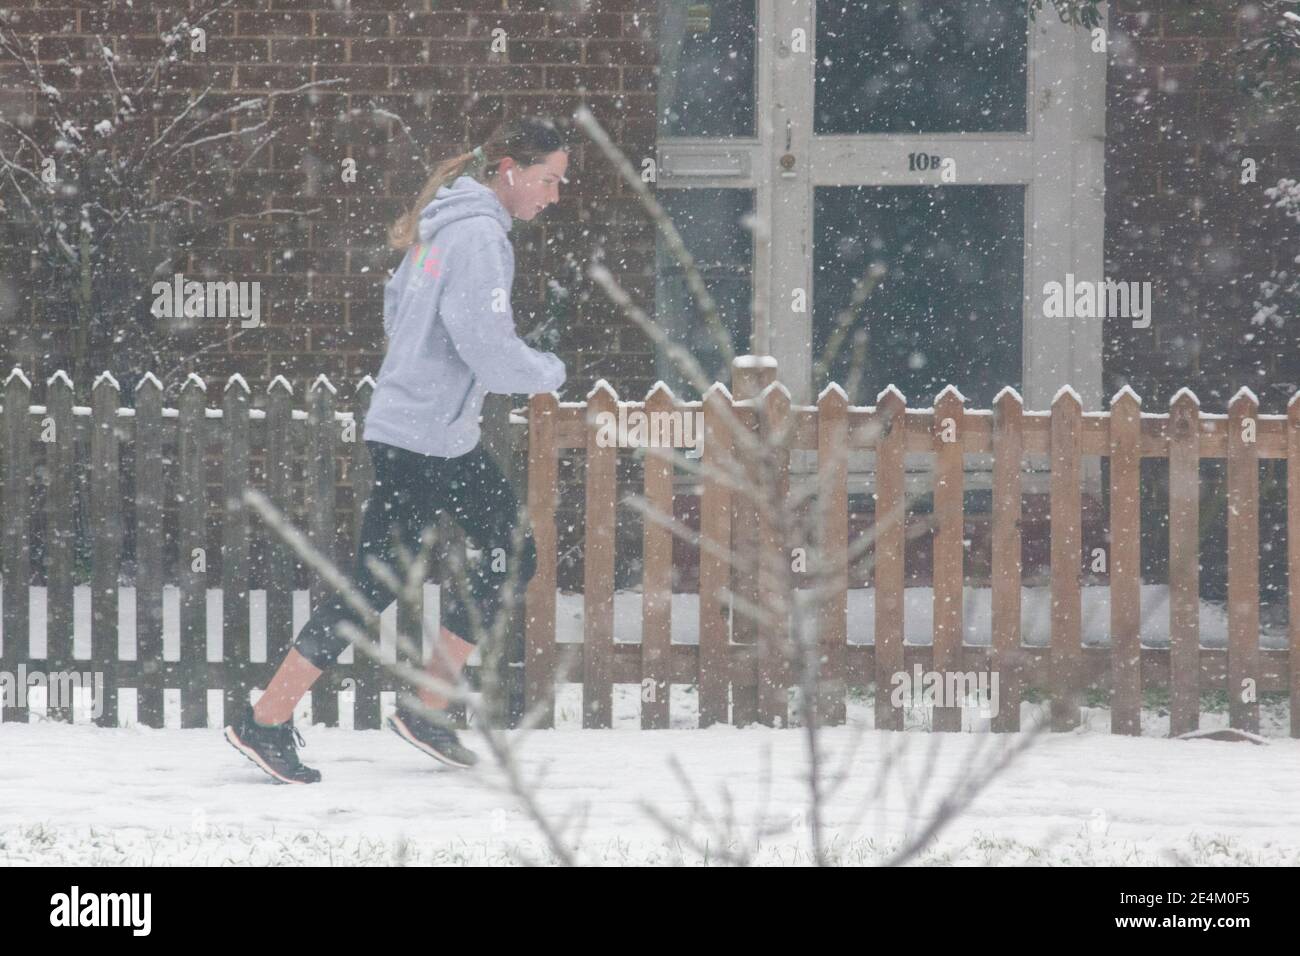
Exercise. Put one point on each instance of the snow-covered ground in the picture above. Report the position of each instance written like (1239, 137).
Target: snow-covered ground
(83, 795)
(75, 794)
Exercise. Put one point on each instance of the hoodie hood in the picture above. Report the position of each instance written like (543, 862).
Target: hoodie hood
(451, 330)
(463, 198)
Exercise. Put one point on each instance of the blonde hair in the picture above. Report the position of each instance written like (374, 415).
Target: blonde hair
(526, 140)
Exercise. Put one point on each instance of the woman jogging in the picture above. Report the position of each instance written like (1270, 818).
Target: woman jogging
(451, 340)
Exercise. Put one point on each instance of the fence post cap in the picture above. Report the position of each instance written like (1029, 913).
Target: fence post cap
(720, 389)
(832, 388)
(950, 390)
(1245, 394)
(322, 381)
(660, 386)
(1184, 395)
(1126, 392)
(60, 374)
(889, 390)
(237, 379)
(148, 378)
(602, 385)
(21, 377)
(106, 376)
(194, 377)
(284, 384)
(1008, 394)
(1067, 391)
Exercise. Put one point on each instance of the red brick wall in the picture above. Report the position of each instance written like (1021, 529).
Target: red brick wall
(1177, 212)
(429, 62)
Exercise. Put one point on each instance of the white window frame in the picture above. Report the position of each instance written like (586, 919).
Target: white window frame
(1059, 159)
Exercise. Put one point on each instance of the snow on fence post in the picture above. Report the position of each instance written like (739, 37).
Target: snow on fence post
(539, 597)
(1065, 656)
(750, 374)
(191, 490)
(149, 665)
(831, 604)
(948, 432)
(774, 561)
(322, 440)
(1293, 554)
(714, 657)
(106, 529)
(1243, 561)
(1184, 563)
(890, 544)
(1007, 657)
(280, 558)
(365, 669)
(598, 563)
(1125, 563)
(657, 564)
(59, 438)
(236, 652)
(17, 571)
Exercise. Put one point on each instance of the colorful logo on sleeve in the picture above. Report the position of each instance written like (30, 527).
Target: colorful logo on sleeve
(429, 259)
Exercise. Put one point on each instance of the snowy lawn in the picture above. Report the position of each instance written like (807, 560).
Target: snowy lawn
(83, 795)
(80, 795)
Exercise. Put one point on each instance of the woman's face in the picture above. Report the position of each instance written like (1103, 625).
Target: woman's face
(526, 190)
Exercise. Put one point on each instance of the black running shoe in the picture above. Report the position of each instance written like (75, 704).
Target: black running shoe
(271, 748)
(434, 735)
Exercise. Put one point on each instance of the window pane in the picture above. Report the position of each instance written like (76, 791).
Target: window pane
(706, 68)
(927, 66)
(947, 306)
(711, 224)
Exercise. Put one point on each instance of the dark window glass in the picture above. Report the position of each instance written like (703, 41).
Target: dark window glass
(924, 66)
(712, 225)
(706, 68)
(946, 306)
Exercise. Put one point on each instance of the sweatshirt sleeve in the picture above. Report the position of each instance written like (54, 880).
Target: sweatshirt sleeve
(475, 308)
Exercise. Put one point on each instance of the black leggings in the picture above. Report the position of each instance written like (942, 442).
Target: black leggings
(410, 491)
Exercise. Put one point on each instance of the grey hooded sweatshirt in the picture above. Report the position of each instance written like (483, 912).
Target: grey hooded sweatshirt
(451, 331)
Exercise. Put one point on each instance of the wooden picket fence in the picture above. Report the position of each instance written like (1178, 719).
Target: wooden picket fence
(172, 451)
(738, 667)
(749, 679)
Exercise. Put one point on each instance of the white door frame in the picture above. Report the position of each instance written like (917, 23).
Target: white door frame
(1059, 159)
